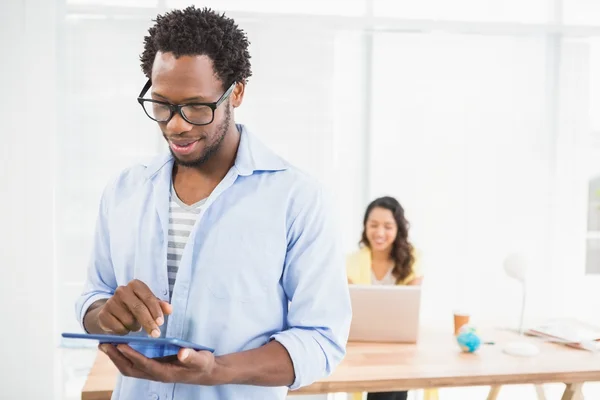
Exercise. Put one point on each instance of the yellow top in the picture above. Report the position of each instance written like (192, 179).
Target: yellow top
(358, 268)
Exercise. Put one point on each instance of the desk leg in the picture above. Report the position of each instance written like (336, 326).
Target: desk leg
(494, 390)
(573, 392)
(539, 389)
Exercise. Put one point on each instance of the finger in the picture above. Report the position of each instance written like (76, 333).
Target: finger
(123, 364)
(136, 327)
(172, 359)
(136, 306)
(136, 358)
(162, 372)
(121, 313)
(111, 324)
(151, 302)
(167, 308)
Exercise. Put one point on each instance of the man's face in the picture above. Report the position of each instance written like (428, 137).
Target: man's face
(183, 80)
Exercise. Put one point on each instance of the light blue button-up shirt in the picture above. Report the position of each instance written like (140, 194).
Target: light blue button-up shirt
(262, 262)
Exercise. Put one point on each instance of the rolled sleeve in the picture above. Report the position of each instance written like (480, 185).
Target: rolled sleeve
(100, 282)
(311, 361)
(315, 282)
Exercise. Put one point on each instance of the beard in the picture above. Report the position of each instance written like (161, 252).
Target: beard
(210, 149)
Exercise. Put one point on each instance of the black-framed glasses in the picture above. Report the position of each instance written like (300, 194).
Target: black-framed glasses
(194, 113)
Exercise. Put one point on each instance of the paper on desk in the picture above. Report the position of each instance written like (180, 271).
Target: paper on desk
(570, 332)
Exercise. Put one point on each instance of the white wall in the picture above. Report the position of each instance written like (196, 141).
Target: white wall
(27, 158)
(464, 145)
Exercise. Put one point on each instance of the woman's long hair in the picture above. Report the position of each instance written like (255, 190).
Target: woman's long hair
(402, 249)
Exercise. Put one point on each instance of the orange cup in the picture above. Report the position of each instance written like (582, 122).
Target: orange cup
(460, 318)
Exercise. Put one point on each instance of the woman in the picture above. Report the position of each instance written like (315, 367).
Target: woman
(386, 257)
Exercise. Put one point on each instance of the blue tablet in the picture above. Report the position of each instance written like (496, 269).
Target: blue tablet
(148, 346)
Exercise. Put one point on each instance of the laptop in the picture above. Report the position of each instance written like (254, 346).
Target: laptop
(385, 313)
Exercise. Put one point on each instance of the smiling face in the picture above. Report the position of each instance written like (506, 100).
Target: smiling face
(191, 79)
(381, 229)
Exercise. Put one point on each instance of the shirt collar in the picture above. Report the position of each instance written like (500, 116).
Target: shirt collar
(252, 156)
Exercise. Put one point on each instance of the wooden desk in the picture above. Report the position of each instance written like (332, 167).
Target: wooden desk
(435, 361)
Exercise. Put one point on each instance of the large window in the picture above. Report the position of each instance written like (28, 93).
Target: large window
(593, 154)
(578, 151)
(459, 134)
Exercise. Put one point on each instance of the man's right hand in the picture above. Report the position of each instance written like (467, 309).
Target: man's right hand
(130, 309)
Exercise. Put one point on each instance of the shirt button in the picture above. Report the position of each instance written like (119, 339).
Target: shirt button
(165, 292)
(153, 396)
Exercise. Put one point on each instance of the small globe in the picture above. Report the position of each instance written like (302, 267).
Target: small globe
(468, 339)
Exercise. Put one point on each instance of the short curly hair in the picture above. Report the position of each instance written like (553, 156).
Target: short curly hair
(193, 31)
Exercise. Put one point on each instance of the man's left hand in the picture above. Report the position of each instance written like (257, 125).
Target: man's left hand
(190, 366)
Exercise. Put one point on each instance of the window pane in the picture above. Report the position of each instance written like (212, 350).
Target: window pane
(580, 81)
(459, 135)
(582, 12)
(592, 261)
(104, 129)
(320, 7)
(594, 70)
(465, 10)
(594, 205)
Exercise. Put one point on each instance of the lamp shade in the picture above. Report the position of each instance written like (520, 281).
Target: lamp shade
(515, 266)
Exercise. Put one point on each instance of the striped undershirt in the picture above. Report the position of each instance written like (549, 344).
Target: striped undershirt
(181, 221)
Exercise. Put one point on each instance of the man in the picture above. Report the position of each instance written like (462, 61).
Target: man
(225, 238)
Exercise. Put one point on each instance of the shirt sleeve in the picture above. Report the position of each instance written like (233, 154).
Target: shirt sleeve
(100, 282)
(315, 282)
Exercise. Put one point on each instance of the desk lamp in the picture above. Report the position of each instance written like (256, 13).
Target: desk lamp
(515, 267)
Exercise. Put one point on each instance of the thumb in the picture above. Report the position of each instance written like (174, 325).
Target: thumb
(186, 356)
(193, 357)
